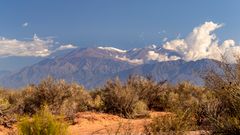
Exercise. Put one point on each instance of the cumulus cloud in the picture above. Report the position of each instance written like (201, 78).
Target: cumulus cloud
(35, 47)
(160, 57)
(133, 61)
(65, 47)
(203, 43)
(25, 24)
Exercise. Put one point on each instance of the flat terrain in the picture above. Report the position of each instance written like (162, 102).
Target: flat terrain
(100, 123)
(92, 123)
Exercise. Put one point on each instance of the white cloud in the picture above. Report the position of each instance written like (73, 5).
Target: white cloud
(35, 47)
(203, 43)
(65, 47)
(160, 57)
(25, 24)
(133, 61)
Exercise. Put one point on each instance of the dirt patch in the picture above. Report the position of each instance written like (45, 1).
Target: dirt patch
(8, 131)
(101, 123)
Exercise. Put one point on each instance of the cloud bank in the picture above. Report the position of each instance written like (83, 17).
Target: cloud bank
(35, 47)
(202, 43)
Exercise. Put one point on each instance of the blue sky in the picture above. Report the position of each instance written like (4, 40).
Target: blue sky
(124, 23)
(120, 23)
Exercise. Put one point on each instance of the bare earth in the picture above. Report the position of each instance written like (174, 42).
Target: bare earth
(92, 123)
(100, 123)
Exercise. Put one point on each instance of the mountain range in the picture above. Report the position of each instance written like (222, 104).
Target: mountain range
(92, 67)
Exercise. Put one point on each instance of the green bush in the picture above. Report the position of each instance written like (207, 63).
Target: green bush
(42, 123)
(140, 109)
(60, 96)
(184, 96)
(149, 91)
(119, 99)
(7, 117)
(98, 104)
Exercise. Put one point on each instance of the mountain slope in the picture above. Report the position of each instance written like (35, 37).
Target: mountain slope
(93, 66)
(81, 66)
(173, 71)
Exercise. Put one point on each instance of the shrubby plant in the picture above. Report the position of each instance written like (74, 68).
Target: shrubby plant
(224, 116)
(149, 91)
(119, 99)
(42, 123)
(134, 97)
(174, 124)
(58, 95)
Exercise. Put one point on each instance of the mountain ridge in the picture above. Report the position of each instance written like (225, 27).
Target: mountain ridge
(92, 67)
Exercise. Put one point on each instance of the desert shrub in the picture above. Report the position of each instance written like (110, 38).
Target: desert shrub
(98, 103)
(97, 100)
(177, 124)
(79, 101)
(184, 96)
(4, 102)
(7, 118)
(226, 126)
(60, 96)
(225, 86)
(141, 109)
(119, 99)
(204, 111)
(42, 123)
(149, 91)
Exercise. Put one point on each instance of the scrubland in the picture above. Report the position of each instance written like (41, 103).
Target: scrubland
(55, 107)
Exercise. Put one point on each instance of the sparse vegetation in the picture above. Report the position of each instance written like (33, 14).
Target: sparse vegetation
(176, 124)
(224, 116)
(214, 107)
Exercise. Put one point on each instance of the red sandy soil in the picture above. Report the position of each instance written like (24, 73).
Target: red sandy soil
(8, 131)
(93, 123)
(100, 123)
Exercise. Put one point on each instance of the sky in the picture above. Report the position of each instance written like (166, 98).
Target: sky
(37, 26)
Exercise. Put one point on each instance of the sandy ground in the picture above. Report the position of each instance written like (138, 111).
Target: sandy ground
(99, 123)
(92, 123)
(7, 131)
